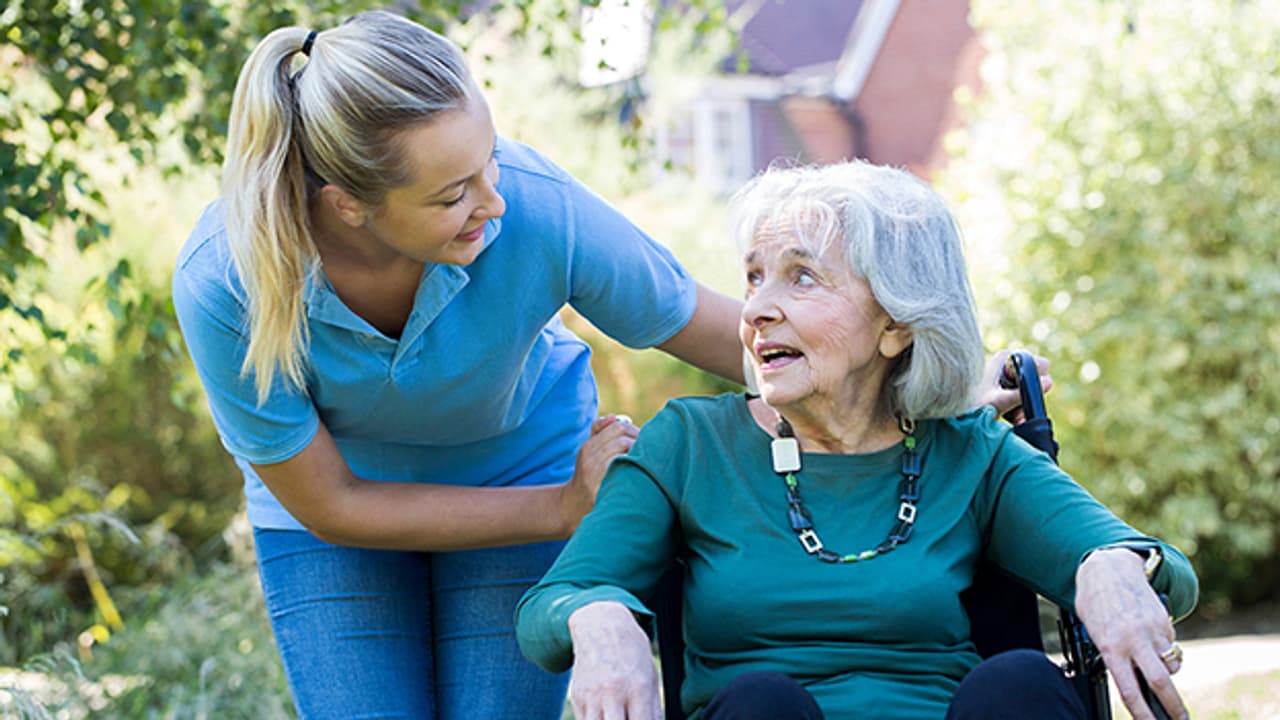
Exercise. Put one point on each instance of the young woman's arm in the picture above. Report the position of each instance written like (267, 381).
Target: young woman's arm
(710, 339)
(318, 488)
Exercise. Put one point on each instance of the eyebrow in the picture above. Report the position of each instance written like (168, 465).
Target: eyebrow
(493, 151)
(791, 253)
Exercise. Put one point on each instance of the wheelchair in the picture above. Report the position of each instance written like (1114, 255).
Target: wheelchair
(1003, 613)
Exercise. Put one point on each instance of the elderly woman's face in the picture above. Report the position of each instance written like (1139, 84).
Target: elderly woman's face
(812, 328)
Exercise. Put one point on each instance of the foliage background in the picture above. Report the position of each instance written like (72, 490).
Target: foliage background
(1124, 179)
(1116, 183)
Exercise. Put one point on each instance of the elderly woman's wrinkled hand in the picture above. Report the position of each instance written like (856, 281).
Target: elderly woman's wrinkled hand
(1007, 401)
(1131, 628)
(614, 677)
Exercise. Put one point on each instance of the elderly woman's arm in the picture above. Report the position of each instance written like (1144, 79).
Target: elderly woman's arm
(1129, 625)
(587, 611)
(1048, 531)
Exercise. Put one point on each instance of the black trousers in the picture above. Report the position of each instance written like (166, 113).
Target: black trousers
(1010, 686)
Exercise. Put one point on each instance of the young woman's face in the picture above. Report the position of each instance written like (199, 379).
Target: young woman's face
(812, 328)
(440, 215)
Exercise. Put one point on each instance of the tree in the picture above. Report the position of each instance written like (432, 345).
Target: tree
(1126, 165)
(103, 434)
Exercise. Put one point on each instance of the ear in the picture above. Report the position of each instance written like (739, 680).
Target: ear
(342, 204)
(895, 339)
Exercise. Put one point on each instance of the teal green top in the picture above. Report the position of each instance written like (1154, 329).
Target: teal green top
(888, 633)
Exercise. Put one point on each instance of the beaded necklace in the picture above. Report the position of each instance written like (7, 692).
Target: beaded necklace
(786, 463)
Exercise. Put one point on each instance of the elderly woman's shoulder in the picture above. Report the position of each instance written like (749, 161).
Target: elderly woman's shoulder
(699, 409)
(979, 428)
(698, 415)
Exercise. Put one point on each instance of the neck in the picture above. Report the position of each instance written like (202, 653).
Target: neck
(852, 436)
(353, 248)
(853, 432)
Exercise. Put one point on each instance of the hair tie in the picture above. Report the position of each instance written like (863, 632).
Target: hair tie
(306, 44)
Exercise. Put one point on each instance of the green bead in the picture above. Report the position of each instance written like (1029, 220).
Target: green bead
(910, 442)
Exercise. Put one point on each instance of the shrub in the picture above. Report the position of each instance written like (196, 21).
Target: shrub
(1126, 165)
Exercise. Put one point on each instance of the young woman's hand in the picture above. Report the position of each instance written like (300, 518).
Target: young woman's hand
(611, 436)
(613, 672)
(1006, 400)
(1131, 628)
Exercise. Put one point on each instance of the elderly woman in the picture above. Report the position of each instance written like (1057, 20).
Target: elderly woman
(830, 524)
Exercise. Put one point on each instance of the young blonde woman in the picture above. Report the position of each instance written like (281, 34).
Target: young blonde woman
(372, 309)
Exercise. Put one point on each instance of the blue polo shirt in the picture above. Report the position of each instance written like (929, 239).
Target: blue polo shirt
(485, 386)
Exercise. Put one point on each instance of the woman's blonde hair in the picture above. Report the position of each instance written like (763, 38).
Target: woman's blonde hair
(335, 121)
(898, 234)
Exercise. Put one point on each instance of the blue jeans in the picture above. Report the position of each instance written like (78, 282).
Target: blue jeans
(392, 634)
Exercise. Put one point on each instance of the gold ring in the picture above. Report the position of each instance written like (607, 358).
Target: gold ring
(1173, 655)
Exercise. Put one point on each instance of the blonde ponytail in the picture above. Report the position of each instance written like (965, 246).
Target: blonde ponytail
(264, 189)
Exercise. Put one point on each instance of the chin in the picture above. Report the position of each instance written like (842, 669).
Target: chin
(780, 397)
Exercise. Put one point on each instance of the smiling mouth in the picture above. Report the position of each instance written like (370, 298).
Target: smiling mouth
(472, 235)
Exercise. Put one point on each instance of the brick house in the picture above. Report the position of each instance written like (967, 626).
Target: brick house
(830, 79)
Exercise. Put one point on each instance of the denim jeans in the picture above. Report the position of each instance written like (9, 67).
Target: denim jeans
(392, 634)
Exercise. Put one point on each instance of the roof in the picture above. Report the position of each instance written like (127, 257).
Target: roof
(783, 35)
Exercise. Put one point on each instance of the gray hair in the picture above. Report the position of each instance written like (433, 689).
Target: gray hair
(899, 235)
(338, 120)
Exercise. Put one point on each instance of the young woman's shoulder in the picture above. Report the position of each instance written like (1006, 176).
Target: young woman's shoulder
(518, 162)
(205, 254)
(204, 273)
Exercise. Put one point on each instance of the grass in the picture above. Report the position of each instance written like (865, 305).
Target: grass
(1246, 697)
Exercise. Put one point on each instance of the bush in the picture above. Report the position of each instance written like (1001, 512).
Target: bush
(114, 476)
(1127, 166)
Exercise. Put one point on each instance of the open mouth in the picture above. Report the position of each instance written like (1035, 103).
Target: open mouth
(776, 356)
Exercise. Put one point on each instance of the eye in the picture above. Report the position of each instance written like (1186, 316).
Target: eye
(754, 278)
(461, 196)
(806, 277)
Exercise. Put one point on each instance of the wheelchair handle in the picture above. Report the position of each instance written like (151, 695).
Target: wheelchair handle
(1020, 372)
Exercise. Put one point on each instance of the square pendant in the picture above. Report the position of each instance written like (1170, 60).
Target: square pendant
(786, 455)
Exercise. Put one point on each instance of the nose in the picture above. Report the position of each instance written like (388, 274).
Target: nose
(491, 204)
(760, 309)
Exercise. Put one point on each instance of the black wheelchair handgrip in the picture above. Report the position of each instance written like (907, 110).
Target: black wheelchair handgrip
(1020, 372)
(1157, 709)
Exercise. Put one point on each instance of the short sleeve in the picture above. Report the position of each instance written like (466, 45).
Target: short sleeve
(210, 317)
(622, 280)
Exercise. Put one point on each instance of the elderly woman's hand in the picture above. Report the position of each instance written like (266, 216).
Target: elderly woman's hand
(613, 672)
(1005, 400)
(1130, 627)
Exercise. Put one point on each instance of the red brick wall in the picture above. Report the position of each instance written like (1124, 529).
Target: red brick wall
(907, 102)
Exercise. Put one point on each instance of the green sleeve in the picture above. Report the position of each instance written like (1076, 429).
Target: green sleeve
(619, 552)
(1041, 524)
